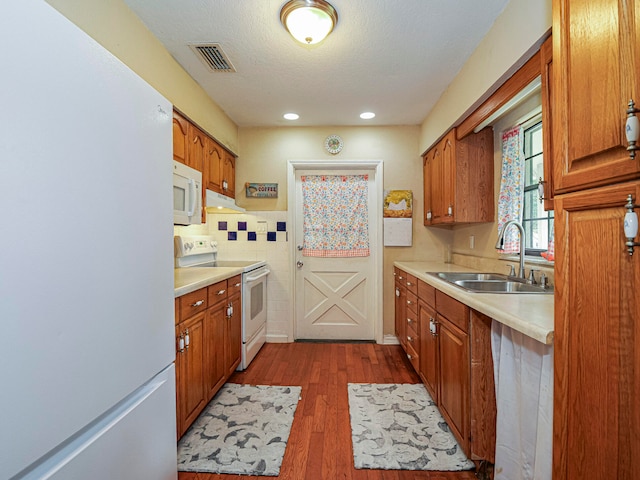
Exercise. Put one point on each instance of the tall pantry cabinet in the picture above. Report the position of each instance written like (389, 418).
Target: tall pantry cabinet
(596, 63)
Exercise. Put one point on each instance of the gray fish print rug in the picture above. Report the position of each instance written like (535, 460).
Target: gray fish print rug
(399, 427)
(244, 430)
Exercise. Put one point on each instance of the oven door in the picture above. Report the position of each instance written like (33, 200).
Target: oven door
(254, 302)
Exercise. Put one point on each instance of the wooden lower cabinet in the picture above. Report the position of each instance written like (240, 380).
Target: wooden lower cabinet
(453, 348)
(596, 415)
(190, 390)
(208, 346)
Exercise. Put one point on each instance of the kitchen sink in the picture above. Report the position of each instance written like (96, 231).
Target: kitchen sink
(490, 283)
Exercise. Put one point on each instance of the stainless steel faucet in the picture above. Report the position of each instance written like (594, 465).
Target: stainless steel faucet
(500, 243)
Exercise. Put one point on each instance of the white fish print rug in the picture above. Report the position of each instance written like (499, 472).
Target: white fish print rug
(244, 430)
(399, 427)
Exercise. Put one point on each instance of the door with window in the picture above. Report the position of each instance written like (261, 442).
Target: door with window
(335, 280)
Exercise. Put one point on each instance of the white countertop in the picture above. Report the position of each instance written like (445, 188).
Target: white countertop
(187, 280)
(530, 314)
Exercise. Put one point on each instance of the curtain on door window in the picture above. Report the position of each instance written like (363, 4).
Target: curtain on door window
(335, 212)
(511, 186)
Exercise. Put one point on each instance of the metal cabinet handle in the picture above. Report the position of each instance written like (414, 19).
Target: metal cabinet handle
(409, 356)
(237, 284)
(187, 339)
(220, 292)
(409, 339)
(181, 343)
(198, 303)
(409, 284)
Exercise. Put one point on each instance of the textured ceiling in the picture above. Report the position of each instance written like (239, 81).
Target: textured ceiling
(392, 57)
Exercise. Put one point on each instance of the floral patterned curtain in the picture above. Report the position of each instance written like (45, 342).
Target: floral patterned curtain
(335, 216)
(510, 202)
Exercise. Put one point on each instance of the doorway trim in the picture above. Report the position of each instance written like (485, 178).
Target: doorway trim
(375, 231)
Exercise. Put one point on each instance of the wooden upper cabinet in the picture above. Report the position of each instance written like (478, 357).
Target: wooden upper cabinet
(180, 138)
(229, 175)
(596, 61)
(213, 165)
(458, 180)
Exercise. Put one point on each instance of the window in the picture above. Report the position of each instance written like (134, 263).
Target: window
(537, 223)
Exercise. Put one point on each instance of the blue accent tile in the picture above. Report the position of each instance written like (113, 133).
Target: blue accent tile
(281, 226)
(222, 225)
(271, 236)
(242, 225)
(252, 236)
(232, 235)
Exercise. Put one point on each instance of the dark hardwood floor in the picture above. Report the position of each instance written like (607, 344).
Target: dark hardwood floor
(319, 446)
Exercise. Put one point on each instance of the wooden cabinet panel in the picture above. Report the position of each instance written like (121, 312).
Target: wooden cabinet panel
(229, 175)
(429, 358)
(213, 160)
(233, 335)
(189, 372)
(459, 180)
(400, 306)
(483, 390)
(192, 303)
(547, 94)
(455, 311)
(197, 148)
(217, 293)
(597, 333)
(454, 380)
(214, 368)
(180, 138)
(596, 63)
(426, 293)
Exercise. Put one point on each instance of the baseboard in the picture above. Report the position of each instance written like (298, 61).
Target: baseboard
(390, 340)
(281, 338)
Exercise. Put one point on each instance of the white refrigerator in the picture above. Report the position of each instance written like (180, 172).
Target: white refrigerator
(86, 258)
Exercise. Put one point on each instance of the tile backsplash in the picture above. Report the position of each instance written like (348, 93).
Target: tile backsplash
(256, 236)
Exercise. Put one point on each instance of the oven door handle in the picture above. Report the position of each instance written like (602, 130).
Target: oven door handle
(263, 273)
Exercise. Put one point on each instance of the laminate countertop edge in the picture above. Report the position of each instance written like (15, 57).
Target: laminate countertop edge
(187, 280)
(529, 314)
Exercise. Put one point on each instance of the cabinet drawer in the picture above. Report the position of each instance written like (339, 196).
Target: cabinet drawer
(234, 284)
(192, 303)
(399, 275)
(427, 293)
(412, 302)
(413, 335)
(412, 320)
(217, 292)
(412, 284)
(454, 311)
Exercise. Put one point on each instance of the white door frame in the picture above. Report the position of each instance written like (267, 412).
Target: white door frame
(375, 231)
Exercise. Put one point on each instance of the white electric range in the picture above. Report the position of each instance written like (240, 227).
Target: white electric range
(201, 251)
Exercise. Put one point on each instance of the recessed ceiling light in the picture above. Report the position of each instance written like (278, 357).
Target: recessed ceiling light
(367, 115)
(291, 116)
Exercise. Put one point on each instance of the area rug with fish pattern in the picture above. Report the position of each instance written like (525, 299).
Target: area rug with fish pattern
(244, 430)
(399, 427)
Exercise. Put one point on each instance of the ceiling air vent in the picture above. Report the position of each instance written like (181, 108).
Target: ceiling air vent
(213, 57)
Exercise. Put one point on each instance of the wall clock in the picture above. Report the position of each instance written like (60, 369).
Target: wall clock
(333, 144)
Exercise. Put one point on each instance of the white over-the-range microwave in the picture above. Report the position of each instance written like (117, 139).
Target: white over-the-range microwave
(187, 195)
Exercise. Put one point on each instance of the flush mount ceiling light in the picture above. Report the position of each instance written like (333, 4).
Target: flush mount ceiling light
(291, 116)
(367, 115)
(308, 21)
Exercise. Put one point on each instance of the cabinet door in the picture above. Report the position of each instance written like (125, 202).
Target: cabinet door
(595, 62)
(454, 380)
(597, 332)
(180, 138)
(427, 175)
(437, 186)
(546, 74)
(214, 367)
(197, 140)
(233, 335)
(229, 175)
(213, 165)
(190, 376)
(446, 203)
(429, 366)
